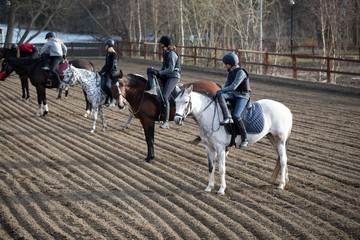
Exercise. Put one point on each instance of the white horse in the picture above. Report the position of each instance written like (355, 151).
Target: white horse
(90, 82)
(277, 128)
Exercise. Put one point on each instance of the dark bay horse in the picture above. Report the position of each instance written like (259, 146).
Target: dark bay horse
(144, 107)
(11, 53)
(38, 77)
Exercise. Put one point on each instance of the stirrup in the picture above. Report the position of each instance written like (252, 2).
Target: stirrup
(226, 121)
(151, 91)
(48, 82)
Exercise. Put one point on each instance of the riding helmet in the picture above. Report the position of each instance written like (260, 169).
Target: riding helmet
(165, 40)
(50, 35)
(230, 58)
(110, 42)
(14, 46)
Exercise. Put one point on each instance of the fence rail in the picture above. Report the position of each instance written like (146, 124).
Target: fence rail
(262, 62)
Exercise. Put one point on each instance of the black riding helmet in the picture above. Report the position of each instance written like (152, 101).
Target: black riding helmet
(110, 42)
(50, 34)
(165, 40)
(14, 46)
(230, 58)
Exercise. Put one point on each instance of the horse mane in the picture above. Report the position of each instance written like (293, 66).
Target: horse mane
(137, 77)
(22, 61)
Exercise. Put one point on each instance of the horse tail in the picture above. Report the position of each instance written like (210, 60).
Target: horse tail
(196, 141)
(93, 66)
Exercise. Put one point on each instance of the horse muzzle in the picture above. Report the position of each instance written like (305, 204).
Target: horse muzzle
(178, 120)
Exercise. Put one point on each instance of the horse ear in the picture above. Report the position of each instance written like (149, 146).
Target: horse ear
(189, 89)
(121, 74)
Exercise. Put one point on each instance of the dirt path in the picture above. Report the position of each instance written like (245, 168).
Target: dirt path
(57, 181)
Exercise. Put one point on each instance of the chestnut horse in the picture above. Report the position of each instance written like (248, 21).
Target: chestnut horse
(145, 107)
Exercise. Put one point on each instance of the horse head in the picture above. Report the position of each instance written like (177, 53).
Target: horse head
(118, 88)
(6, 70)
(70, 77)
(183, 105)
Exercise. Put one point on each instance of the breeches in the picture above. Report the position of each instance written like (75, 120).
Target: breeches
(169, 87)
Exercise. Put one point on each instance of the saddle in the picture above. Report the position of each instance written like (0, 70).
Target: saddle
(253, 118)
(62, 67)
(159, 100)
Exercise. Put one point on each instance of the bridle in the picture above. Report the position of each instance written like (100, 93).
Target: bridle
(119, 93)
(72, 76)
(187, 109)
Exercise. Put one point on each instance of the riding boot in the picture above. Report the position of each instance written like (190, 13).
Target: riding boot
(152, 90)
(225, 110)
(241, 126)
(165, 123)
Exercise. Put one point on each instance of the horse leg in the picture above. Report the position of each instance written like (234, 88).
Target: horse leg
(88, 105)
(39, 91)
(129, 120)
(281, 163)
(24, 87)
(46, 108)
(221, 159)
(211, 158)
(59, 95)
(66, 92)
(148, 125)
(102, 118)
(95, 113)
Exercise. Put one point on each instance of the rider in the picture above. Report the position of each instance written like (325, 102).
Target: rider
(237, 88)
(25, 50)
(170, 73)
(109, 67)
(54, 50)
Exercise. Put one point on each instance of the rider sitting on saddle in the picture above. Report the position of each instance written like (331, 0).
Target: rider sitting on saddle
(236, 88)
(109, 67)
(169, 73)
(25, 50)
(54, 50)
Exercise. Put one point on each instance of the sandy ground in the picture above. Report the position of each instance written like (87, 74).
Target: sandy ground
(58, 181)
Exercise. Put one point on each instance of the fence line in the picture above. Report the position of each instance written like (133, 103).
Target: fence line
(258, 61)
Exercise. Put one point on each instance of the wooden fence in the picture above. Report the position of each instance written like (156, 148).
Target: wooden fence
(261, 62)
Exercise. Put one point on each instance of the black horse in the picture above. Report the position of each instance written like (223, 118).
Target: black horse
(32, 68)
(11, 53)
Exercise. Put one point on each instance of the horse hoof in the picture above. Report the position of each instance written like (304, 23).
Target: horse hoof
(221, 192)
(45, 113)
(208, 189)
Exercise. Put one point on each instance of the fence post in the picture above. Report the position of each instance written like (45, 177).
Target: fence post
(239, 56)
(294, 66)
(266, 60)
(144, 50)
(72, 49)
(195, 55)
(159, 49)
(130, 49)
(328, 69)
(215, 53)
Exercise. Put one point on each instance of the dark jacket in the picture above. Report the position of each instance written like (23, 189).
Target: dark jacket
(237, 82)
(110, 63)
(171, 65)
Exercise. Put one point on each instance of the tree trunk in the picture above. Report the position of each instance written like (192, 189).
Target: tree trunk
(11, 24)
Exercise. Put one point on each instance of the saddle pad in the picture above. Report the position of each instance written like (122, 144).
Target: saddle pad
(62, 67)
(254, 119)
